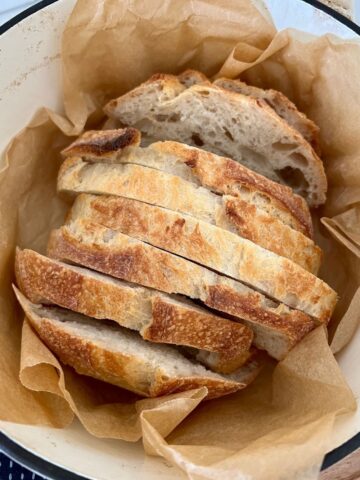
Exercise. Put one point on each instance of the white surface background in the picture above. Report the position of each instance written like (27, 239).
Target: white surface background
(10, 8)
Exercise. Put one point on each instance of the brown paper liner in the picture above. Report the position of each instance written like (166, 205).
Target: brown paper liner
(280, 426)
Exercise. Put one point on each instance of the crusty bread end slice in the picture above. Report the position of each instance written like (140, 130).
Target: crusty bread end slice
(281, 105)
(121, 357)
(227, 123)
(104, 142)
(161, 318)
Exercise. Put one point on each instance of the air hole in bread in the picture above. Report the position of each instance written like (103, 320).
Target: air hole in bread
(244, 189)
(195, 137)
(299, 159)
(259, 162)
(228, 134)
(161, 118)
(144, 124)
(174, 117)
(284, 147)
(294, 178)
(264, 198)
(205, 93)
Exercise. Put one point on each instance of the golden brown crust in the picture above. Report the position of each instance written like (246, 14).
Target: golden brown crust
(120, 369)
(158, 187)
(293, 323)
(86, 357)
(44, 280)
(117, 254)
(199, 329)
(133, 262)
(267, 232)
(226, 176)
(188, 279)
(102, 143)
(150, 105)
(205, 244)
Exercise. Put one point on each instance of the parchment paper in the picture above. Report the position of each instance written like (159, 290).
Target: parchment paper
(278, 428)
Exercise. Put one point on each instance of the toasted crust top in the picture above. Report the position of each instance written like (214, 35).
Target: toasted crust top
(100, 143)
(217, 334)
(227, 176)
(203, 243)
(119, 368)
(177, 95)
(158, 317)
(217, 292)
(219, 173)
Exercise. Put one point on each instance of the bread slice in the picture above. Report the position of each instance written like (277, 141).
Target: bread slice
(175, 193)
(219, 174)
(281, 105)
(277, 328)
(227, 123)
(224, 344)
(225, 176)
(275, 99)
(212, 247)
(121, 357)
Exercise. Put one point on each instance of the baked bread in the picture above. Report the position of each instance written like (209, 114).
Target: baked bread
(219, 174)
(227, 123)
(175, 193)
(276, 327)
(224, 344)
(275, 99)
(121, 357)
(210, 246)
(280, 104)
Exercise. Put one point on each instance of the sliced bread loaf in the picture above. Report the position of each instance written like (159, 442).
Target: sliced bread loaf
(212, 247)
(175, 193)
(224, 122)
(161, 318)
(280, 104)
(277, 328)
(275, 99)
(219, 174)
(121, 357)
